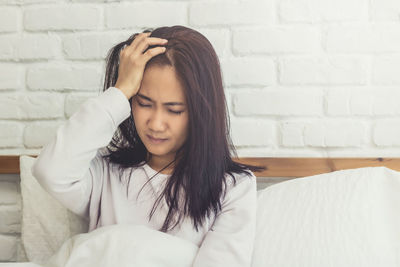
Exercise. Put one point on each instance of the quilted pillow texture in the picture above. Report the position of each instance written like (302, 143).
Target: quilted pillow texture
(46, 224)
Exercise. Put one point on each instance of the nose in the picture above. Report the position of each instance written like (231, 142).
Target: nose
(156, 121)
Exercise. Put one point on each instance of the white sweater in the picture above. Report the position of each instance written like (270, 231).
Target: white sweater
(70, 168)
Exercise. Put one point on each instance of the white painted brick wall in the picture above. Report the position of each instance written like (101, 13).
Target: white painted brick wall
(145, 14)
(9, 19)
(324, 70)
(10, 219)
(276, 39)
(363, 38)
(385, 10)
(228, 13)
(281, 102)
(63, 77)
(323, 134)
(314, 78)
(63, 17)
(248, 71)
(384, 70)
(27, 46)
(323, 10)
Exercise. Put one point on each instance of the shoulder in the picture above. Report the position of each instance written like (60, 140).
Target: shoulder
(240, 179)
(107, 167)
(245, 186)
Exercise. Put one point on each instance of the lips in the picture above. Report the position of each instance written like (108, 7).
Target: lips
(156, 140)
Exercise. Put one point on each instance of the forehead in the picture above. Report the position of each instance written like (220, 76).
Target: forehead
(161, 84)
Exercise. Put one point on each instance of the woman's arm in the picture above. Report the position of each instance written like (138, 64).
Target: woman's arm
(69, 165)
(231, 238)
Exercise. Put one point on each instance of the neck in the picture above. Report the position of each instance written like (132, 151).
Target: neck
(158, 163)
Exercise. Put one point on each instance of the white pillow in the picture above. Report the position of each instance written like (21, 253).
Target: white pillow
(125, 245)
(46, 224)
(343, 218)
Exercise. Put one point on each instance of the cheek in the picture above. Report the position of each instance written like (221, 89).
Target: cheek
(137, 112)
(137, 118)
(183, 125)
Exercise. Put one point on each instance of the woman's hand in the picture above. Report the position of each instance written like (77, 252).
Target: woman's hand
(133, 62)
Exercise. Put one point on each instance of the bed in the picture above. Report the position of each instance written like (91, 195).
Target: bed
(327, 212)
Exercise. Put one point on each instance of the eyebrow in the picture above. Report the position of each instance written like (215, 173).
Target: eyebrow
(166, 104)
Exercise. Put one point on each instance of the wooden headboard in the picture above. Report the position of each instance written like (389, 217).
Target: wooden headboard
(275, 167)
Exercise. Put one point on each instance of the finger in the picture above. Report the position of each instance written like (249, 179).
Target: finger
(144, 44)
(138, 38)
(123, 50)
(153, 52)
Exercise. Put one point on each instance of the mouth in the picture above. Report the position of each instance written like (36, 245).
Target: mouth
(156, 140)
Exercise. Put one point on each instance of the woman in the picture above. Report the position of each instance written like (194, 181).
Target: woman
(154, 149)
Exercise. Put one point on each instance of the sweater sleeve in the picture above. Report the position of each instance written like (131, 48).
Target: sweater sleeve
(230, 240)
(70, 164)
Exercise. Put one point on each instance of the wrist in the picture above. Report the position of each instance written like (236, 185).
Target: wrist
(123, 91)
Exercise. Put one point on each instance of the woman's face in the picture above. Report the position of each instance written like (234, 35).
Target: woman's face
(160, 113)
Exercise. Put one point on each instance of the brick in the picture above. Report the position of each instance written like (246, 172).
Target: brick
(8, 193)
(386, 103)
(137, 14)
(323, 10)
(64, 77)
(38, 134)
(282, 102)
(26, 2)
(338, 103)
(277, 39)
(373, 102)
(248, 71)
(29, 46)
(364, 38)
(243, 135)
(10, 222)
(15, 76)
(11, 134)
(29, 106)
(384, 70)
(9, 17)
(385, 10)
(228, 13)
(386, 133)
(335, 134)
(362, 101)
(362, 104)
(314, 135)
(74, 101)
(324, 71)
(90, 45)
(8, 248)
(292, 134)
(62, 17)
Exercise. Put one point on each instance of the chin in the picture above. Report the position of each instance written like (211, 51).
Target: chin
(156, 151)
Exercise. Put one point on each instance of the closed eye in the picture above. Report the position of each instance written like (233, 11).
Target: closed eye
(171, 111)
(143, 105)
(175, 112)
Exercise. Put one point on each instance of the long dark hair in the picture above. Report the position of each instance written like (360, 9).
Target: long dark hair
(199, 175)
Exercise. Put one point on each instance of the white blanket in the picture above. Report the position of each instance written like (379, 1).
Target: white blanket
(347, 218)
(340, 219)
(122, 245)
